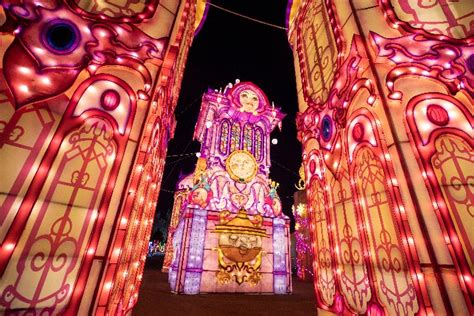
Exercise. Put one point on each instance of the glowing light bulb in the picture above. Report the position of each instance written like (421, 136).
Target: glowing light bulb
(46, 81)
(274, 141)
(9, 246)
(24, 70)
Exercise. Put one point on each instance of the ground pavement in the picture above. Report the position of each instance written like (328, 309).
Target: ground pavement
(155, 298)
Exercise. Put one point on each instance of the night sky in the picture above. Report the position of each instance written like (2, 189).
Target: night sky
(229, 47)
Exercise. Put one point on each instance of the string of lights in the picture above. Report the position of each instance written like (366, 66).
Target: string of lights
(247, 17)
(174, 163)
(284, 167)
(181, 155)
(188, 106)
(167, 191)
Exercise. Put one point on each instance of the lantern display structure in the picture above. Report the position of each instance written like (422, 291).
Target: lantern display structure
(303, 245)
(180, 196)
(232, 235)
(87, 95)
(385, 94)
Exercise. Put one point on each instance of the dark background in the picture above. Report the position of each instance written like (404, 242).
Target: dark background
(229, 47)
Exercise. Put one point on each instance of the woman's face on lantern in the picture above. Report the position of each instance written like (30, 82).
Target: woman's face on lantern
(249, 101)
(199, 196)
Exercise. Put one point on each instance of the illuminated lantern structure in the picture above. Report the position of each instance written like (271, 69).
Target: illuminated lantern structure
(303, 245)
(180, 195)
(232, 235)
(87, 95)
(385, 94)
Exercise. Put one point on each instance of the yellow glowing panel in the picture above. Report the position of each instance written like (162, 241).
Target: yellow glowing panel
(453, 165)
(64, 214)
(453, 18)
(392, 278)
(318, 52)
(120, 8)
(321, 248)
(353, 276)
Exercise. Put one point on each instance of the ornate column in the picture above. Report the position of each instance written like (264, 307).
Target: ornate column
(85, 115)
(385, 94)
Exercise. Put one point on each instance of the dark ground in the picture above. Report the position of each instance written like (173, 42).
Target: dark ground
(155, 298)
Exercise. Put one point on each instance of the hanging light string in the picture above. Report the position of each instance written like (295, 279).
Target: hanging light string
(188, 106)
(284, 167)
(181, 155)
(169, 163)
(247, 17)
(170, 172)
(167, 191)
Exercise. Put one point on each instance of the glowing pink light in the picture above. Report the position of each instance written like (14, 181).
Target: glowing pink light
(396, 95)
(24, 88)
(371, 100)
(450, 53)
(402, 209)
(24, 70)
(9, 246)
(94, 215)
(46, 81)
(467, 278)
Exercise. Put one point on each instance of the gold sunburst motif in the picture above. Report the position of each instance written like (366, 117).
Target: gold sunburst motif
(240, 248)
(241, 166)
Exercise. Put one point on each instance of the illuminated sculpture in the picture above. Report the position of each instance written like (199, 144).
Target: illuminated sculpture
(385, 94)
(87, 94)
(304, 250)
(180, 195)
(232, 235)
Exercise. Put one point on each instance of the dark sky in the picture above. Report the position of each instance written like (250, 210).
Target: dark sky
(226, 48)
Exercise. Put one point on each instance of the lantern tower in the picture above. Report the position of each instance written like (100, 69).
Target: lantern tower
(233, 236)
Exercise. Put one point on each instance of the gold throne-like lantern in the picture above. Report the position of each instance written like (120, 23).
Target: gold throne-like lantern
(240, 248)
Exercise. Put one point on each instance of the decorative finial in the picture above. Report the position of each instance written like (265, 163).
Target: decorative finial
(302, 181)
